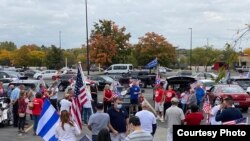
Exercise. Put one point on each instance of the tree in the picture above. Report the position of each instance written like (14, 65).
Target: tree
(153, 45)
(36, 58)
(205, 56)
(54, 58)
(246, 51)
(9, 46)
(71, 58)
(5, 57)
(102, 50)
(109, 30)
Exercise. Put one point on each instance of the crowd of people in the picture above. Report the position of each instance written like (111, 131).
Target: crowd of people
(109, 120)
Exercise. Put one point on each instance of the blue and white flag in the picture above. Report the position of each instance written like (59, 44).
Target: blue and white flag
(47, 123)
(152, 64)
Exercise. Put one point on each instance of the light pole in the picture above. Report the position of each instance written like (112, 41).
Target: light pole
(60, 41)
(87, 35)
(191, 42)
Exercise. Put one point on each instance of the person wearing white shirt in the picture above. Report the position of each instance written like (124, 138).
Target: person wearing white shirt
(65, 103)
(87, 107)
(147, 119)
(66, 130)
(53, 92)
(214, 111)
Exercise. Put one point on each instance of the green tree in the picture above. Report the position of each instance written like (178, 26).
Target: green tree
(71, 58)
(9, 46)
(36, 58)
(153, 45)
(5, 57)
(54, 58)
(205, 56)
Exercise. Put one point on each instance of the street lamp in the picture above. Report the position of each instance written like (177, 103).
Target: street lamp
(87, 35)
(191, 42)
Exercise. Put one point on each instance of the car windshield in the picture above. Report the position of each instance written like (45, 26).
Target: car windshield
(234, 89)
(209, 84)
(108, 78)
(15, 74)
(243, 82)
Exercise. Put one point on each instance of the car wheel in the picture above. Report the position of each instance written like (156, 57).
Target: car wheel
(61, 88)
(39, 77)
(245, 109)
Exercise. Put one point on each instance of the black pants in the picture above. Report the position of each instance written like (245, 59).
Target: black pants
(21, 123)
(94, 137)
(166, 106)
(15, 114)
(54, 103)
(94, 104)
(106, 106)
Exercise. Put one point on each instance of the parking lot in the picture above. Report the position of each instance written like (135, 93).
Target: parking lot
(11, 134)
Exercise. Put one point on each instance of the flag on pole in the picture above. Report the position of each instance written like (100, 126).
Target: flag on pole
(241, 121)
(79, 99)
(47, 123)
(157, 78)
(152, 64)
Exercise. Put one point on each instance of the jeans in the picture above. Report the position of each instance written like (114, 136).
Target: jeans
(94, 137)
(86, 114)
(166, 106)
(36, 118)
(21, 123)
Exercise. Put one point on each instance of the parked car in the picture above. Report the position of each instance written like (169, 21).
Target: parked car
(208, 83)
(145, 77)
(28, 83)
(11, 75)
(185, 73)
(119, 68)
(95, 68)
(205, 75)
(241, 81)
(46, 74)
(179, 83)
(122, 79)
(102, 80)
(31, 73)
(240, 97)
(64, 81)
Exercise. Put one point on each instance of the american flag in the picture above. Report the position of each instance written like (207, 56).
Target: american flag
(116, 93)
(241, 121)
(206, 107)
(79, 99)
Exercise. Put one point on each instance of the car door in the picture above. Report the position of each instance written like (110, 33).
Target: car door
(46, 74)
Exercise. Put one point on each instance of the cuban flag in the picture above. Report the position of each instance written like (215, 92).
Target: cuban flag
(47, 123)
(152, 64)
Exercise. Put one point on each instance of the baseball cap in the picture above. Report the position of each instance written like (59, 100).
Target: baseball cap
(174, 100)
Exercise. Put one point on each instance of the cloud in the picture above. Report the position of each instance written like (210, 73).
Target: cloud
(39, 21)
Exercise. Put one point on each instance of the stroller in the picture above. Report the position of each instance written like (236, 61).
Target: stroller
(4, 111)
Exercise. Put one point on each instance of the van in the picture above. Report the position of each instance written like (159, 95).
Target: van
(119, 68)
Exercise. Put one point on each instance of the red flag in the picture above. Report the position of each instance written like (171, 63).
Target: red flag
(79, 99)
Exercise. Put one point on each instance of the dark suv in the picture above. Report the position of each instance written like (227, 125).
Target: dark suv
(64, 81)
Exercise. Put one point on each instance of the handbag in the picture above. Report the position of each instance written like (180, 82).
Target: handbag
(21, 114)
(31, 105)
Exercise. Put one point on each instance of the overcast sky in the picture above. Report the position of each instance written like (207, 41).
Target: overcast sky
(39, 21)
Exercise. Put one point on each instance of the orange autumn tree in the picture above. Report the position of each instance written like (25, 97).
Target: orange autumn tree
(153, 45)
(102, 50)
(109, 43)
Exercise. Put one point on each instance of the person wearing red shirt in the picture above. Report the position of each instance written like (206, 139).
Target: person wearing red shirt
(37, 109)
(195, 117)
(168, 95)
(107, 97)
(159, 100)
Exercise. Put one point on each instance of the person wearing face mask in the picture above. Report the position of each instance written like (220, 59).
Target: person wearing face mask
(214, 110)
(227, 111)
(137, 134)
(118, 121)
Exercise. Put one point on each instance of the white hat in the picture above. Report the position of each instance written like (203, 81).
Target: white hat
(174, 100)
